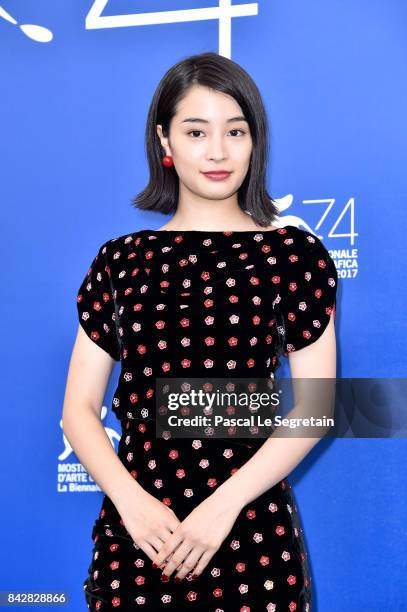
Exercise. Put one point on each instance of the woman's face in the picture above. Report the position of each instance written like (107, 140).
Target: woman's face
(218, 138)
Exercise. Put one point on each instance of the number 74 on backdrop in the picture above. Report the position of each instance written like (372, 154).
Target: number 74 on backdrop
(224, 12)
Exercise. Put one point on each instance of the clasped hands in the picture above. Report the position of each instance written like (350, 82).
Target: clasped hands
(187, 545)
(197, 538)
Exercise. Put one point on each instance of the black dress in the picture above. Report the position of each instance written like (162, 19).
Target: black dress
(198, 303)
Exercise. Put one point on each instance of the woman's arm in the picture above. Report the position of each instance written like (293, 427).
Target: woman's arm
(88, 375)
(148, 520)
(279, 455)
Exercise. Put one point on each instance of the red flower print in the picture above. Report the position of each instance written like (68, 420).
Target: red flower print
(254, 280)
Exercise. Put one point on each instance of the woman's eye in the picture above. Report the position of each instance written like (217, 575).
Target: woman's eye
(200, 131)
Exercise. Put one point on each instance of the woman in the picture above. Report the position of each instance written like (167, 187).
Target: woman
(199, 524)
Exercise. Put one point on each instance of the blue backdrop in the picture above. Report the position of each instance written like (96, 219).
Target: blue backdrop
(76, 82)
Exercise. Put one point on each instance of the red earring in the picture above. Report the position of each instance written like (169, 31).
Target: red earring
(167, 161)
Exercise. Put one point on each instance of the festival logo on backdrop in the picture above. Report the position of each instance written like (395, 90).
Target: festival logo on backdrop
(224, 13)
(344, 257)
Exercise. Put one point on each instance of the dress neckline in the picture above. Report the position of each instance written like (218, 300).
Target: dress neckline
(219, 232)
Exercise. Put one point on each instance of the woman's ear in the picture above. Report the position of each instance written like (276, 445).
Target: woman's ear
(163, 140)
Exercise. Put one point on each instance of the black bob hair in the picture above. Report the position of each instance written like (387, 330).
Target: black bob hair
(219, 73)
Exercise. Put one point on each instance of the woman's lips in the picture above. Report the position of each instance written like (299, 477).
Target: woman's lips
(217, 176)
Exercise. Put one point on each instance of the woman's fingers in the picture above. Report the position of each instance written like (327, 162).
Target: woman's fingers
(164, 534)
(203, 561)
(148, 549)
(177, 558)
(189, 563)
(168, 548)
(156, 542)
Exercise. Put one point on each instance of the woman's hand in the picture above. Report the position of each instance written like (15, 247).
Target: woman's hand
(198, 537)
(149, 522)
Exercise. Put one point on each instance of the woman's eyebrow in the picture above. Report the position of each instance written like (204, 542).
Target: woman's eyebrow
(199, 120)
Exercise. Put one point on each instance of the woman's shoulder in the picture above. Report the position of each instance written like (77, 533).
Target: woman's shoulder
(302, 237)
(121, 240)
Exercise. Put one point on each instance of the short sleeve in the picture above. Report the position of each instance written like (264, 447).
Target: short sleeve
(95, 305)
(309, 285)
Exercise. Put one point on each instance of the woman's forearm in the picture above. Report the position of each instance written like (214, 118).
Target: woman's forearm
(271, 463)
(285, 448)
(92, 446)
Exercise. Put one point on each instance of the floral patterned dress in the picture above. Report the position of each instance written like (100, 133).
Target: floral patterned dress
(198, 303)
